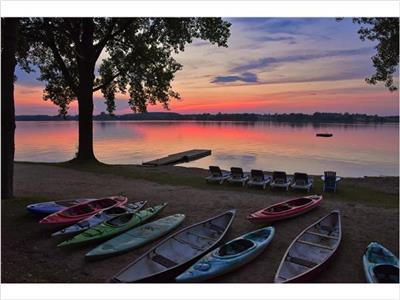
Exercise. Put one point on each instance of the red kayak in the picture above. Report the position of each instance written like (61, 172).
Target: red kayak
(286, 209)
(81, 211)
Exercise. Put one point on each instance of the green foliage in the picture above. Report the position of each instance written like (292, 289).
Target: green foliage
(136, 55)
(386, 60)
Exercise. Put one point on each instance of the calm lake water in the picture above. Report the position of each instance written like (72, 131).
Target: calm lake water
(353, 151)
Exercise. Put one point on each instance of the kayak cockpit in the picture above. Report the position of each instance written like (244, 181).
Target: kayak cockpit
(295, 203)
(88, 208)
(116, 210)
(102, 203)
(77, 210)
(120, 220)
(259, 235)
(236, 247)
(385, 273)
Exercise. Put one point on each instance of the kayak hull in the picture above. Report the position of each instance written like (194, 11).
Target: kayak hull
(177, 252)
(286, 209)
(380, 265)
(229, 257)
(114, 226)
(136, 237)
(76, 213)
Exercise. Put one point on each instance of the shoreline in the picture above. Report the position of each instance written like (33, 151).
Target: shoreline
(196, 169)
(230, 121)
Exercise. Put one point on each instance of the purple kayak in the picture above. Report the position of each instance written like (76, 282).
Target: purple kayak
(47, 208)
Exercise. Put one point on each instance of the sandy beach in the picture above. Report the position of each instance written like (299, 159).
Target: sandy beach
(369, 209)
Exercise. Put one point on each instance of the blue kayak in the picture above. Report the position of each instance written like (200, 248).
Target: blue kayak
(380, 265)
(47, 208)
(229, 256)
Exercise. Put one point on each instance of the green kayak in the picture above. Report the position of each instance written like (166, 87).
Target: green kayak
(136, 237)
(114, 226)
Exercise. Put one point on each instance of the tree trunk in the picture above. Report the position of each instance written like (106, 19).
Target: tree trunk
(8, 63)
(85, 108)
(85, 93)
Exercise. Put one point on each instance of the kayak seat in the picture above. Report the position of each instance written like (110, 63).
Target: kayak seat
(201, 236)
(301, 261)
(216, 228)
(235, 247)
(162, 260)
(326, 228)
(314, 244)
(323, 235)
(182, 241)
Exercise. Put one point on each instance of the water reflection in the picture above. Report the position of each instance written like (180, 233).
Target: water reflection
(354, 150)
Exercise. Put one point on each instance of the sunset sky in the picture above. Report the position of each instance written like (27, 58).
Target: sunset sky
(271, 65)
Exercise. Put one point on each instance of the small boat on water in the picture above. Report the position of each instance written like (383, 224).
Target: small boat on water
(50, 207)
(136, 237)
(311, 250)
(285, 209)
(380, 265)
(100, 217)
(229, 256)
(75, 213)
(177, 252)
(324, 134)
(114, 226)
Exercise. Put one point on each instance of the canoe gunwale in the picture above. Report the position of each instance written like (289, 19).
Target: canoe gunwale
(320, 265)
(232, 212)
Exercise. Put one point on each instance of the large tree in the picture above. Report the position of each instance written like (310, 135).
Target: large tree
(79, 56)
(386, 60)
(8, 63)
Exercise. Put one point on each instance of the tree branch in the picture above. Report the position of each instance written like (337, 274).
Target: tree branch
(109, 35)
(52, 45)
(99, 87)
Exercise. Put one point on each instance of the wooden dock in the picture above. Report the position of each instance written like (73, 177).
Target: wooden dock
(179, 157)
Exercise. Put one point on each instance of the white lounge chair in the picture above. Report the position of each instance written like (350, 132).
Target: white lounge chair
(302, 181)
(217, 175)
(279, 179)
(237, 176)
(258, 178)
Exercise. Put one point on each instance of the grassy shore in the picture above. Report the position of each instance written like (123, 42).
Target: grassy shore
(380, 191)
(369, 208)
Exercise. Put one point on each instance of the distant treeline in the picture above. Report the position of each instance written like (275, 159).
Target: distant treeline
(290, 118)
